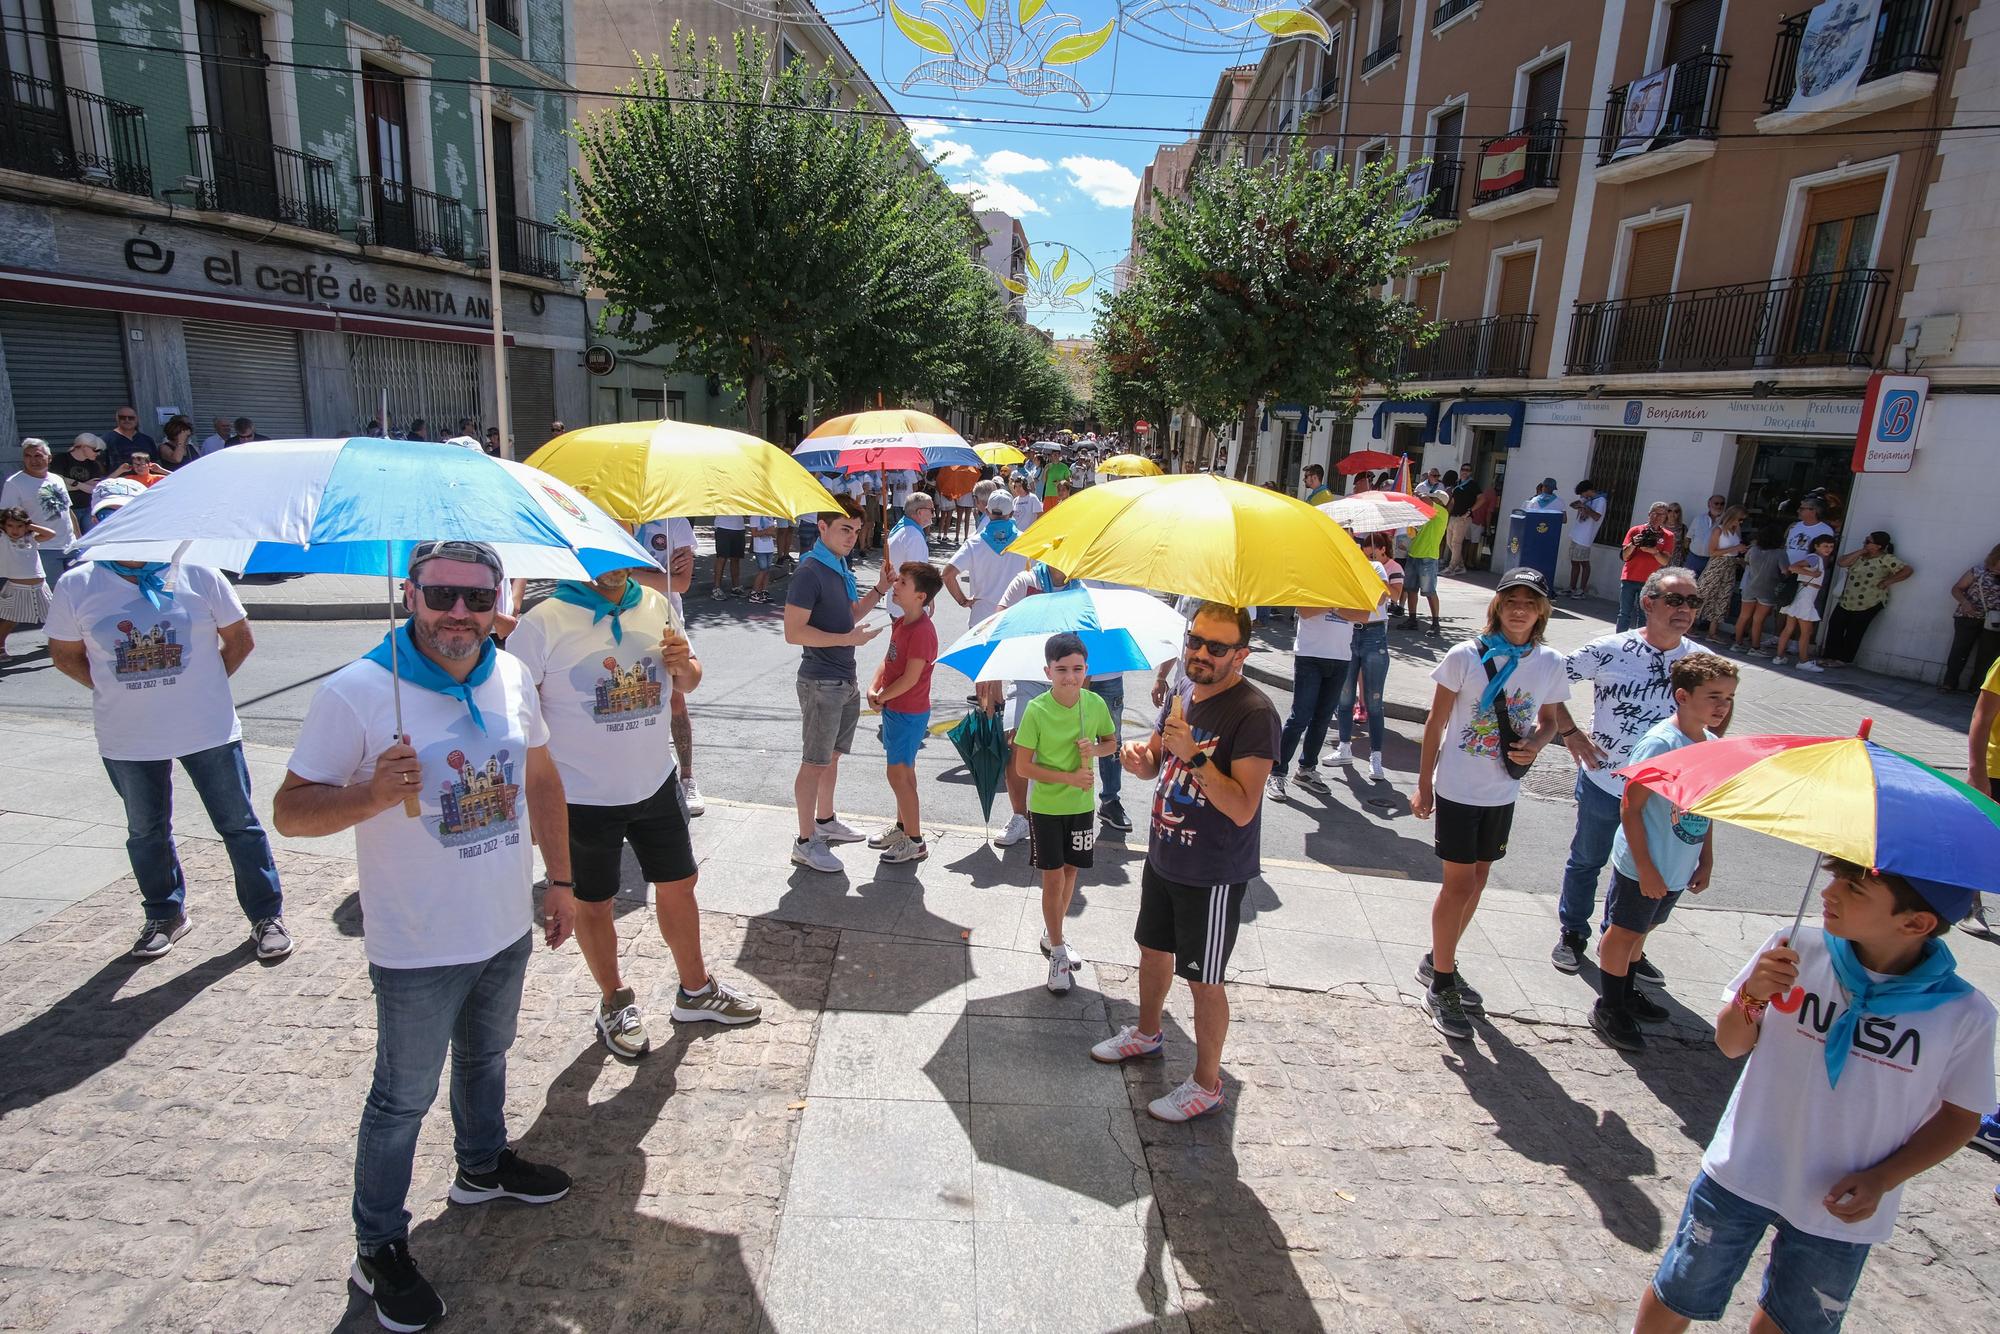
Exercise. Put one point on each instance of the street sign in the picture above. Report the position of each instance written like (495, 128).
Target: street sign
(599, 359)
(1890, 416)
(1142, 427)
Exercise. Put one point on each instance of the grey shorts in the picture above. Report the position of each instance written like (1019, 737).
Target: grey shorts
(829, 712)
(1018, 695)
(1580, 551)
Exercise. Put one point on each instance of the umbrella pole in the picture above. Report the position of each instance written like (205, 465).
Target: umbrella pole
(1819, 858)
(410, 804)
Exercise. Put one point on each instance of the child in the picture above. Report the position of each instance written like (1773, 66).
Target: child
(24, 593)
(902, 691)
(1871, 1064)
(1763, 568)
(763, 550)
(1496, 695)
(1657, 851)
(1061, 732)
(1802, 615)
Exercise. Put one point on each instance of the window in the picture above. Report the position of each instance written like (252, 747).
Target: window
(1516, 284)
(1614, 466)
(502, 12)
(788, 55)
(676, 407)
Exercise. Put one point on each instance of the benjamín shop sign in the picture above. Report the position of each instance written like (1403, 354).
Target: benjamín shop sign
(1790, 416)
(319, 282)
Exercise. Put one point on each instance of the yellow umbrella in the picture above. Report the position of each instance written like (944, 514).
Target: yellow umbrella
(1128, 465)
(639, 471)
(1205, 536)
(999, 453)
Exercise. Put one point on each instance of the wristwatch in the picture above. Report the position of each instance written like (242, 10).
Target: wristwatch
(1199, 760)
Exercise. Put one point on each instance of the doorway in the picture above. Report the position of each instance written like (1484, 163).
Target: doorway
(1772, 472)
(242, 162)
(1489, 465)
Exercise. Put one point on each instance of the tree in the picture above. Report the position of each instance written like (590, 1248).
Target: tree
(1265, 284)
(1128, 383)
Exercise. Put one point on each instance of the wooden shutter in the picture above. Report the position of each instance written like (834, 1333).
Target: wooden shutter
(1852, 200)
(1691, 30)
(1650, 270)
(1544, 93)
(1517, 283)
(1450, 129)
(1429, 287)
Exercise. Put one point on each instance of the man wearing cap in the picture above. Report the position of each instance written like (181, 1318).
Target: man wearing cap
(985, 561)
(156, 644)
(910, 539)
(445, 818)
(1545, 497)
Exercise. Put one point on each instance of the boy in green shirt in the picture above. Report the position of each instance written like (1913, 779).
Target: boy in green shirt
(1061, 732)
(1420, 571)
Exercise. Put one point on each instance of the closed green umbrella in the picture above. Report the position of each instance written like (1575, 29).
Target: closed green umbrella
(982, 744)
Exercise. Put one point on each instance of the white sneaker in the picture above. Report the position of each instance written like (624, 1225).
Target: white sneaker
(836, 831)
(1778, 659)
(1128, 1043)
(1185, 1103)
(692, 796)
(1059, 980)
(1047, 949)
(1375, 767)
(816, 854)
(1016, 830)
(1274, 786)
(883, 838)
(1811, 667)
(905, 849)
(1344, 753)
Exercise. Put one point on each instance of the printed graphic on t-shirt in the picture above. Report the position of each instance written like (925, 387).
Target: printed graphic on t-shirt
(621, 698)
(479, 802)
(1482, 733)
(1633, 684)
(1689, 829)
(51, 501)
(1879, 1038)
(145, 654)
(1178, 796)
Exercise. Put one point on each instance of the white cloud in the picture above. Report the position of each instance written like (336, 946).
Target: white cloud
(1003, 195)
(1007, 162)
(1111, 184)
(930, 136)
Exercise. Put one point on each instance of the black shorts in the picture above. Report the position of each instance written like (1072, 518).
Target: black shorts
(1056, 841)
(657, 828)
(1195, 923)
(1626, 905)
(731, 543)
(1471, 834)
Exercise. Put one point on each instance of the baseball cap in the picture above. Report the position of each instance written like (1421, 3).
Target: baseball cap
(113, 493)
(1548, 483)
(1000, 505)
(1524, 576)
(473, 553)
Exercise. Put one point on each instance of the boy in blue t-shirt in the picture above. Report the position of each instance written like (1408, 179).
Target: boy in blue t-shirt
(1658, 851)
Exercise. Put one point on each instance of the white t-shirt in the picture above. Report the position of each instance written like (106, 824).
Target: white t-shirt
(663, 537)
(763, 535)
(1389, 574)
(1787, 1135)
(158, 690)
(47, 501)
(1324, 636)
(455, 884)
(20, 558)
(905, 544)
(1027, 509)
(729, 523)
(988, 573)
(1589, 519)
(1632, 688)
(1469, 770)
(605, 703)
(1799, 539)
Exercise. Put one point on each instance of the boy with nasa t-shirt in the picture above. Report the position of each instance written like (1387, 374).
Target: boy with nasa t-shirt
(1869, 1057)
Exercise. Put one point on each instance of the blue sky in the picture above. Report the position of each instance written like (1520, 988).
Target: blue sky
(1071, 183)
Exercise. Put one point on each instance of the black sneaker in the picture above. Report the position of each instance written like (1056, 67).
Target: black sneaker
(1645, 1009)
(1644, 971)
(404, 1298)
(1112, 814)
(156, 938)
(1473, 1002)
(1617, 1028)
(1447, 1012)
(512, 1178)
(1567, 956)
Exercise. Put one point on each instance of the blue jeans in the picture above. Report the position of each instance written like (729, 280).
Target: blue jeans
(1368, 673)
(470, 1008)
(1110, 777)
(1589, 849)
(1316, 684)
(222, 781)
(1807, 1284)
(1628, 603)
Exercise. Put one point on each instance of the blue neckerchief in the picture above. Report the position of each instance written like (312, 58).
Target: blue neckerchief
(1933, 982)
(1000, 533)
(147, 576)
(1045, 578)
(412, 666)
(1509, 654)
(838, 566)
(906, 522)
(584, 595)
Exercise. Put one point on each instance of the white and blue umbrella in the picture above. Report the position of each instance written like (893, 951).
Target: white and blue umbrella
(1122, 631)
(357, 506)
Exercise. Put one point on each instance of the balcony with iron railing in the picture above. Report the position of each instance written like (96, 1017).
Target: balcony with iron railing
(1817, 319)
(1904, 57)
(533, 249)
(1518, 170)
(1635, 144)
(1447, 10)
(1391, 47)
(1443, 190)
(407, 218)
(1494, 348)
(70, 135)
(240, 173)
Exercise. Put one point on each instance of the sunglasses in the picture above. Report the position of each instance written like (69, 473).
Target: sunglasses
(1678, 599)
(122, 417)
(1214, 648)
(443, 597)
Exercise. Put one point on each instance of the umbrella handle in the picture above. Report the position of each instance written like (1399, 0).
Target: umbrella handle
(1792, 936)
(411, 807)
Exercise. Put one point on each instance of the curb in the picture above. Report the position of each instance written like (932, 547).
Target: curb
(1409, 713)
(317, 611)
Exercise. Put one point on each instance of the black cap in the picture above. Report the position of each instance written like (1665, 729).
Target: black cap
(472, 553)
(1525, 576)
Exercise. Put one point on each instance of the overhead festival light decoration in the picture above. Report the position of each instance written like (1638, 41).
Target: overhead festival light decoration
(1058, 280)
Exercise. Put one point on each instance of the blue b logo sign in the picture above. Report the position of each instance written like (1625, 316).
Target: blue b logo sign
(1898, 418)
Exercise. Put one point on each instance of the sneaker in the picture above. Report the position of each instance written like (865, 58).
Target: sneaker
(1128, 1043)
(762, 599)
(1811, 667)
(619, 1026)
(814, 853)
(905, 849)
(716, 595)
(1447, 1012)
(1112, 815)
(1473, 1002)
(271, 938)
(717, 1003)
(836, 831)
(1185, 1103)
(1344, 753)
(1568, 954)
(512, 1178)
(1309, 779)
(691, 795)
(1375, 769)
(404, 1299)
(1059, 967)
(1016, 830)
(1978, 914)
(1988, 1134)
(156, 938)
(885, 837)
(1645, 1009)
(1047, 949)
(1644, 970)
(1778, 659)
(1617, 1028)
(1274, 786)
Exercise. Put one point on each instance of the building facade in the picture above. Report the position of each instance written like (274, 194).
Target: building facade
(1005, 256)
(272, 209)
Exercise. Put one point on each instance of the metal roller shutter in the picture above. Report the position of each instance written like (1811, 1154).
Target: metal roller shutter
(66, 369)
(436, 381)
(247, 370)
(531, 397)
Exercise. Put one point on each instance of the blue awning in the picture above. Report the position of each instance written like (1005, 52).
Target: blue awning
(1425, 408)
(1510, 410)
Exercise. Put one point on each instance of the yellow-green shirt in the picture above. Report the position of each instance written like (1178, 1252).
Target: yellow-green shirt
(1427, 541)
(1865, 587)
(1992, 687)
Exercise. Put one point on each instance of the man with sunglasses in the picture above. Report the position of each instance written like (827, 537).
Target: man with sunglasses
(1631, 678)
(125, 439)
(445, 818)
(1211, 751)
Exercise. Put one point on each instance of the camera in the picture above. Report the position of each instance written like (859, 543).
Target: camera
(1649, 538)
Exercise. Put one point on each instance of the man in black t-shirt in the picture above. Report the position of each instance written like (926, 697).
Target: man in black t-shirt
(82, 468)
(1211, 751)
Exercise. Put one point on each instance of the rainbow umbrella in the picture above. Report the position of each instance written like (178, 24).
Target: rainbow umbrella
(1844, 797)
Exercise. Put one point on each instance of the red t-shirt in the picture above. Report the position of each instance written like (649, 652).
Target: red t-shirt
(1645, 560)
(913, 638)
